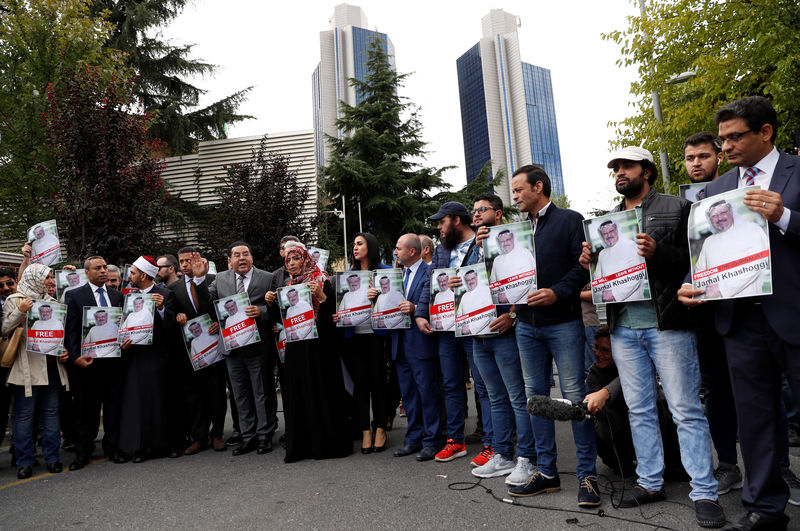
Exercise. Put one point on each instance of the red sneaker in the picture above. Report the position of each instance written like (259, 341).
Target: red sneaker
(483, 457)
(451, 450)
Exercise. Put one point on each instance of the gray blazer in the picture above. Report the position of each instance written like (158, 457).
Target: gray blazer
(224, 285)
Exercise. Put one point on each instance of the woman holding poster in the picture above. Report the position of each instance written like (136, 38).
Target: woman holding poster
(35, 378)
(363, 348)
(314, 393)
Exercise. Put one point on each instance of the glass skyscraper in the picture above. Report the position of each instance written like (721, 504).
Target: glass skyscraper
(343, 54)
(507, 111)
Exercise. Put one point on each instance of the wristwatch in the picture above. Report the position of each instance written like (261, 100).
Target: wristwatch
(513, 316)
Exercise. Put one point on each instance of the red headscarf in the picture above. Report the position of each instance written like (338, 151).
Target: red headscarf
(309, 272)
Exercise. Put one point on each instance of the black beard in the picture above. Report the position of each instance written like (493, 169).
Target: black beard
(633, 188)
(451, 239)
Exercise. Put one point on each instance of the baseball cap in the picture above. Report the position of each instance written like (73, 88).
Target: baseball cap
(634, 153)
(451, 208)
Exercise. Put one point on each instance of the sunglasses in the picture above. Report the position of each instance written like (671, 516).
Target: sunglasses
(8, 283)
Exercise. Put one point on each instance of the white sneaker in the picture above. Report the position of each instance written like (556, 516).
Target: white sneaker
(522, 472)
(497, 466)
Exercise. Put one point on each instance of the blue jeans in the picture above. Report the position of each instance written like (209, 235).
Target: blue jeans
(45, 398)
(565, 342)
(452, 352)
(497, 359)
(639, 354)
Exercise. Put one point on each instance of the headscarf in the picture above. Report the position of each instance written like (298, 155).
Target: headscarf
(310, 271)
(32, 282)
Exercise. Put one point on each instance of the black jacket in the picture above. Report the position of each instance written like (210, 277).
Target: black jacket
(665, 219)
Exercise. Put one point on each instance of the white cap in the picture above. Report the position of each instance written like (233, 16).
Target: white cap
(630, 153)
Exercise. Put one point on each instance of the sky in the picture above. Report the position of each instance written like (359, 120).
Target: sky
(274, 46)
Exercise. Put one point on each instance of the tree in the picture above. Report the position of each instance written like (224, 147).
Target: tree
(561, 201)
(377, 160)
(163, 70)
(110, 198)
(261, 200)
(735, 48)
(39, 40)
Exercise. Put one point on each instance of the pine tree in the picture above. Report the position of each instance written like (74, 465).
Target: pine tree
(377, 160)
(163, 71)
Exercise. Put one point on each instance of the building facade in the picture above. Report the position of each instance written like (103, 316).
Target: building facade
(343, 54)
(507, 111)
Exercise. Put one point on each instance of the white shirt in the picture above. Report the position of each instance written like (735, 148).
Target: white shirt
(766, 169)
(518, 260)
(49, 245)
(540, 214)
(46, 345)
(623, 255)
(412, 272)
(472, 301)
(244, 336)
(744, 238)
(304, 329)
(97, 295)
(247, 278)
(105, 332)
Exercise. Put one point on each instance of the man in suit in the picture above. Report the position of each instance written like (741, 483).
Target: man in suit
(761, 333)
(203, 390)
(95, 383)
(415, 356)
(250, 367)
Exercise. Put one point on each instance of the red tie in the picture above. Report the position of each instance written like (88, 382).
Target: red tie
(750, 176)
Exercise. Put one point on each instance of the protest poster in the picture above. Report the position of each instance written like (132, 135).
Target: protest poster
(212, 268)
(618, 272)
(692, 192)
(202, 347)
(442, 306)
(138, 312)
(126, 280)
(385, 312)
(352, 304)
(100, 330)
(46, 249)
(68, 279)
(45, 328)
(297, 312)
(729, 248)
(237, 328)
(320, 257)
(475, 310)
(510, 262)
(280, 342)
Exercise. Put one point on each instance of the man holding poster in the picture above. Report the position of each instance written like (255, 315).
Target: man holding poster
(477, 300)
(619, 255)
(299, 322)
(730, 243)
(513, 271)
(47, 334)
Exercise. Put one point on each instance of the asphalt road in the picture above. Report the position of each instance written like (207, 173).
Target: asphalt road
(378, 491)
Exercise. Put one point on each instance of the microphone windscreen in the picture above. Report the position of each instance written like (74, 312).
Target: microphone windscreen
(558, 409)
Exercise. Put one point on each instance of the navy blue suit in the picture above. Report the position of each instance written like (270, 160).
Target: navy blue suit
(762, 339)
(415, 357)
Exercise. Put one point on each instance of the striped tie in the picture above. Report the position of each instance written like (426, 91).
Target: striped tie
(750, 176)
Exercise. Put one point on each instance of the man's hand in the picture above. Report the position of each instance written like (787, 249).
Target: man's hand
(213, 329)
(406, 307)
(424, 326)
(346, 321)
(199, 265)
(27, 249)
(372, 294)
(270, 297)
(542, 297)
(608, 295)
(83, 361)
(125, 344)
(64, 356)
(686, 294)
(159, 300)
(482, 234)
(767, 203)
(316, 290)
(69, 267)
(586, 255)
(501, 324)
(181, 319)
(646, 244)
(595, 402)
(453, 282)
(252, 311)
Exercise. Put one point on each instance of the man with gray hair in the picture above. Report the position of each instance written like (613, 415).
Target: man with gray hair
(427, 248)
(114, 277)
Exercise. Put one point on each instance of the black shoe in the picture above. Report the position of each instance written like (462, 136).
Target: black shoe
(264, 447)
(234, 440)
(120, 458)
(407, 449)
(172, 454)
(139, 457)
(638, 495)
(55, 468)
(709, 514)
(427, 453)
(24, 472)
(80, 462)
(536, 484)
(366, 451)
(246, 447)
(379, 449)
(588, 495)
(753, 522)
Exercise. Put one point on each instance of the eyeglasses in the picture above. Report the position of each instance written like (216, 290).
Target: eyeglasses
(481, 210)
(734, 137)
(604, 350)
(8, 283)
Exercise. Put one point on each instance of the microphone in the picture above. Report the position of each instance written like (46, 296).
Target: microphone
(556, 408)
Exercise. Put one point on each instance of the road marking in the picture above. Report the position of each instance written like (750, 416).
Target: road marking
(46, 474)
